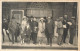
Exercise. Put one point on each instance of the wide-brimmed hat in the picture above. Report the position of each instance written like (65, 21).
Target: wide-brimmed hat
(49, 17)
(65, 15)
(41, 18)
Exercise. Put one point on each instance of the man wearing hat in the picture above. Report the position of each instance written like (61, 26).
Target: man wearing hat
(65, 27)
(60, 30)
(49, 30)
(72, 30)
(34, 30)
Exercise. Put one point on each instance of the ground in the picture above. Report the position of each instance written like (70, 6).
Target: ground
(9, 45)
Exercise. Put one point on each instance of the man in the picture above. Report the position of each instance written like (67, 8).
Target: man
(5, 29)
(60, 30)
(49, 30)
(34, 30)
(72, 30)
(66, 27)
(30, 22)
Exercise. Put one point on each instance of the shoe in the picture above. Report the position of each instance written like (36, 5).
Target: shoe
(51, 45)
(35, 43)
(47, 44)
(10, 41)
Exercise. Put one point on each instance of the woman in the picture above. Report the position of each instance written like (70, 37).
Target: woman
(23, 29)
(41, 32)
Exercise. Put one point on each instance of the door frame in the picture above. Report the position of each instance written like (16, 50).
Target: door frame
(16, 10)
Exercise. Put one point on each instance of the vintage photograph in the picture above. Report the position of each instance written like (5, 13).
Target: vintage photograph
(40, 25)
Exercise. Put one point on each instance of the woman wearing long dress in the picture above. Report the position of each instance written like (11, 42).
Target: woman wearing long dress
(41, 32)
(23, 30)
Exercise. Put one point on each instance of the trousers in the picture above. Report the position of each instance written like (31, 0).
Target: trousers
(34, 37)
(65, 32)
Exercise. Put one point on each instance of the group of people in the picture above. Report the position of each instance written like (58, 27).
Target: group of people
(35, 31)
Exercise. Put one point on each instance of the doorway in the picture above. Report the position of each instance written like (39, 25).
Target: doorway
(17, 14)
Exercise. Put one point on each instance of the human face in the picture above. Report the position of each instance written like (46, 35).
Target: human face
(65, 16)
(41, 20)
(34, 19)
(61, 18)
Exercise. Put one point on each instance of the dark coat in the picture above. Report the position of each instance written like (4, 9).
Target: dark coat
(72, 31)
(5, 25)
(65, 23)
(73, 26)
(49, 27)
(33, 25)
(65, 30)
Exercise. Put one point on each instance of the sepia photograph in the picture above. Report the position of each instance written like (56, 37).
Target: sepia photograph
(40, 25)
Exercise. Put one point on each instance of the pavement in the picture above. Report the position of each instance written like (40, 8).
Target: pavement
(9, 45)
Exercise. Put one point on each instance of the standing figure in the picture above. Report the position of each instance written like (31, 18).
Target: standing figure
(34, 30)
(5, 29)
(31, 26)
(12, 29)
(41, 31)
(17, 32)
(28, 31)
(23, 29)
(60, 30)
(66, 27)
(72, 30)
(49, 30)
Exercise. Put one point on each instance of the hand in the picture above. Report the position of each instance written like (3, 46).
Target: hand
(69, 23)
(7, 31)
(64, 26)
